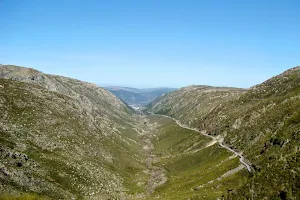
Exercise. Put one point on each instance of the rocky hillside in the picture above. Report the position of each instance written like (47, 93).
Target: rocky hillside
(191, 104)
(65, 139)
(263, 123)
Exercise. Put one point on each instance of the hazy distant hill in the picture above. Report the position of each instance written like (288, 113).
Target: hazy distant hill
(138, 97)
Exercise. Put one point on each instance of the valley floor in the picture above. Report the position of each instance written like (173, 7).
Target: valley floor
(184, 164)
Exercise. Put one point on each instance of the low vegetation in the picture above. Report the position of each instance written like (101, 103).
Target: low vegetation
(191, 104)
(263, 123)
(74, 140)
(196, 168)
(61, 138)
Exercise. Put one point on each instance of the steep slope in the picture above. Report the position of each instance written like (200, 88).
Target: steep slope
(191, 104)
(64, 138)
(263, 123)
(138, 97)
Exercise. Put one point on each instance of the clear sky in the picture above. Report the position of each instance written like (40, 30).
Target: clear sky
(153, 43)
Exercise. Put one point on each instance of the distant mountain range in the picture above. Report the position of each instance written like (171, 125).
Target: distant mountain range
(138, 97)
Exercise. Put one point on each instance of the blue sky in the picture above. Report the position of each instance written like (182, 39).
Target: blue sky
(153, 43)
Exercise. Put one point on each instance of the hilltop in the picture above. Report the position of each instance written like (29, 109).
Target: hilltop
(191, 104)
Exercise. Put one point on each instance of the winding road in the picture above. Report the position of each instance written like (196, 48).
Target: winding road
(219, 140)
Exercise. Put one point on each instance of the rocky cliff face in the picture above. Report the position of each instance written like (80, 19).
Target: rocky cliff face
(64, 138)
(263, 123)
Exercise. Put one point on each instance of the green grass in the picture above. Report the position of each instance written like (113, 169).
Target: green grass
(22, 197)
(187, 171)
(73, 154)
(267, 132)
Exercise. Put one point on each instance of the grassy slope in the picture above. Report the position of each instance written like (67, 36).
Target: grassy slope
(187, 169)
(191, 104)
(264, 123)
(62, 153)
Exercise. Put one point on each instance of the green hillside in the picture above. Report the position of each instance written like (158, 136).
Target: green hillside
(263, 123)
(196, 167)
(191, 104)
(73, 141)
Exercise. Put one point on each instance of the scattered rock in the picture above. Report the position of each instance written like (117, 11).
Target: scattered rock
(19, 164)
